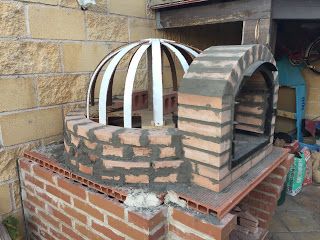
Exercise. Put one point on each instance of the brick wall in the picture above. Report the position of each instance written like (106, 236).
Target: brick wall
(115, 155)
(48, 50)
(262, 201)
(59, 208)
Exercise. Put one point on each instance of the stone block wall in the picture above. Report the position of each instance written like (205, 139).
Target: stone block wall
(48, 50)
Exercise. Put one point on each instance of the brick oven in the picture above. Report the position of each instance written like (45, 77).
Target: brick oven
(207, 140)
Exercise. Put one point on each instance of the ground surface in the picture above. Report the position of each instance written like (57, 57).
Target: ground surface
(299, 217)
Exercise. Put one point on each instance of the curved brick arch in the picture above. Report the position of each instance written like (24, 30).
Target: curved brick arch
(206, 111)
(223, 67)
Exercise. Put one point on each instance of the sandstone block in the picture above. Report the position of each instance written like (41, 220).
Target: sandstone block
(5, 206)
(16, 93)
(32, 125)
(56, 23)
(82, 56)
(8, 158)
(141, 28)
(62, 89)
(29, 57)
(15, 188)
(49, 2)
(135, 8)
(107, 27)
(12, 20)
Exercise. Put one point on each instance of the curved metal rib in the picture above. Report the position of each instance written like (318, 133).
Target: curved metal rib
(94, 78)
(172, 68)
(106, 80)
(187, 49)
(127, 102)
(157, 89)
(180, 57)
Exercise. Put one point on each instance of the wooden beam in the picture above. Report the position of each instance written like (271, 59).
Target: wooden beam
(211, 13)
(256, 31)
(296, 9)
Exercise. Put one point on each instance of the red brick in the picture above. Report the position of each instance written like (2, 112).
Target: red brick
(37, 221)
(167, 164)
(109, 150)
(137, 179)
(71, 123)
(281, 171)
(108, 205)
(130, 137)
(57, 193)
(49, 219)
(105, 134)
(205, 130)
(160, 137)
(184, 235)
(75, 189)
(83, 130)
(263, 196)
(204, 115)
(35, 236)
(43, 173)
(58, 235)
(197, 224)
(141, 151)
(88, 209)
(29, 206)
(75, 140)
(28, 188)
(90, 145)
(125, 165)
(171, 178)
(32, 226)
(71, 233)
(25, 165)
(85, 169)
(126, 229)
(106, 231)
(146, 222)
(266, 187)
(201, 101)
(167, 152)
(74, 214)
(64, 218)
(46, 235)
(34, 181)
(277, 180)
(204, 157)
(161, 232)
(35, 200)
(88, 233)
(47, 198)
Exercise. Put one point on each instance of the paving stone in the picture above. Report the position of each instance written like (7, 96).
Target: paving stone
(307, 236)
(277, 225)
(282, 236)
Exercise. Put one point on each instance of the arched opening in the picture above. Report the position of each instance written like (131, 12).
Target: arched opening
(253, 110)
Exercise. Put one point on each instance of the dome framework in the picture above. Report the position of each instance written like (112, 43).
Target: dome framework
(183, 53)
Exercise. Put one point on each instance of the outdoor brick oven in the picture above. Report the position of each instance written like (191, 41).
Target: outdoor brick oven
(225, 126)
(210, 143)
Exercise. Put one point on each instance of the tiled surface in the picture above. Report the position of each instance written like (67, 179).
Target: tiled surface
(299, 217)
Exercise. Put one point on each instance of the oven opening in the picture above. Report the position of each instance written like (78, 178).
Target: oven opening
(252, 116)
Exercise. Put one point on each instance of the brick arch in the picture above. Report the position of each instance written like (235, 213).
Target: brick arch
(223, 67)
(206, 110)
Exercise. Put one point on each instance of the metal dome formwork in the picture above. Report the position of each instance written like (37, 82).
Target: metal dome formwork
(184, 54)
